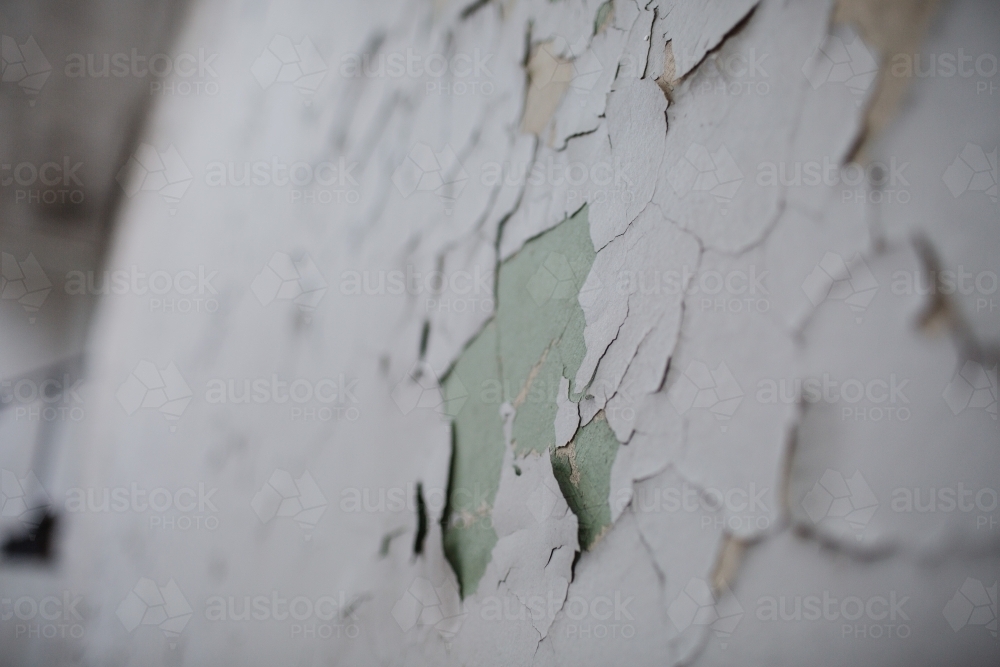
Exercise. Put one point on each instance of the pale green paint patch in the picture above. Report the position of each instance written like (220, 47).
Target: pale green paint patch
(469, 549)
(583, 470)
(535, 340)
(541, 326)
(476, 459)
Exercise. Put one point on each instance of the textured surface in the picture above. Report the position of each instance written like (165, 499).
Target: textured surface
(548, 333)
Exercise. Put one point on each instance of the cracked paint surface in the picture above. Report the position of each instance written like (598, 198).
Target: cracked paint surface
(628, 418)
(516, 365)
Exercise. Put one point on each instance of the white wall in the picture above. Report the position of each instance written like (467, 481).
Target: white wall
(913, 407)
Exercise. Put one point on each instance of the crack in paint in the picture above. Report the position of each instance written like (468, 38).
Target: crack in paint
(538, 317)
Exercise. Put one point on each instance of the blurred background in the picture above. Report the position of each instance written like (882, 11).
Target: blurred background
(59, 200)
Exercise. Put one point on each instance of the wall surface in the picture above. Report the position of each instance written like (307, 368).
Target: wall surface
(534, 332)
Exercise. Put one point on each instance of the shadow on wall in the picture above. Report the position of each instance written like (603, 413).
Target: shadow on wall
(70, 123)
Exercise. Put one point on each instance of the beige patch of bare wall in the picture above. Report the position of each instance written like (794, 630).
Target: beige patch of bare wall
(892, 27)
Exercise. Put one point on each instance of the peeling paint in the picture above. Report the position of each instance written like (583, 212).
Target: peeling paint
(583, 469)
(534, 343)
(625, 411)
(549, 76)
(892, 29)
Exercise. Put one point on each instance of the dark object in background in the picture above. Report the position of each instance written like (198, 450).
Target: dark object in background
(35, 543)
